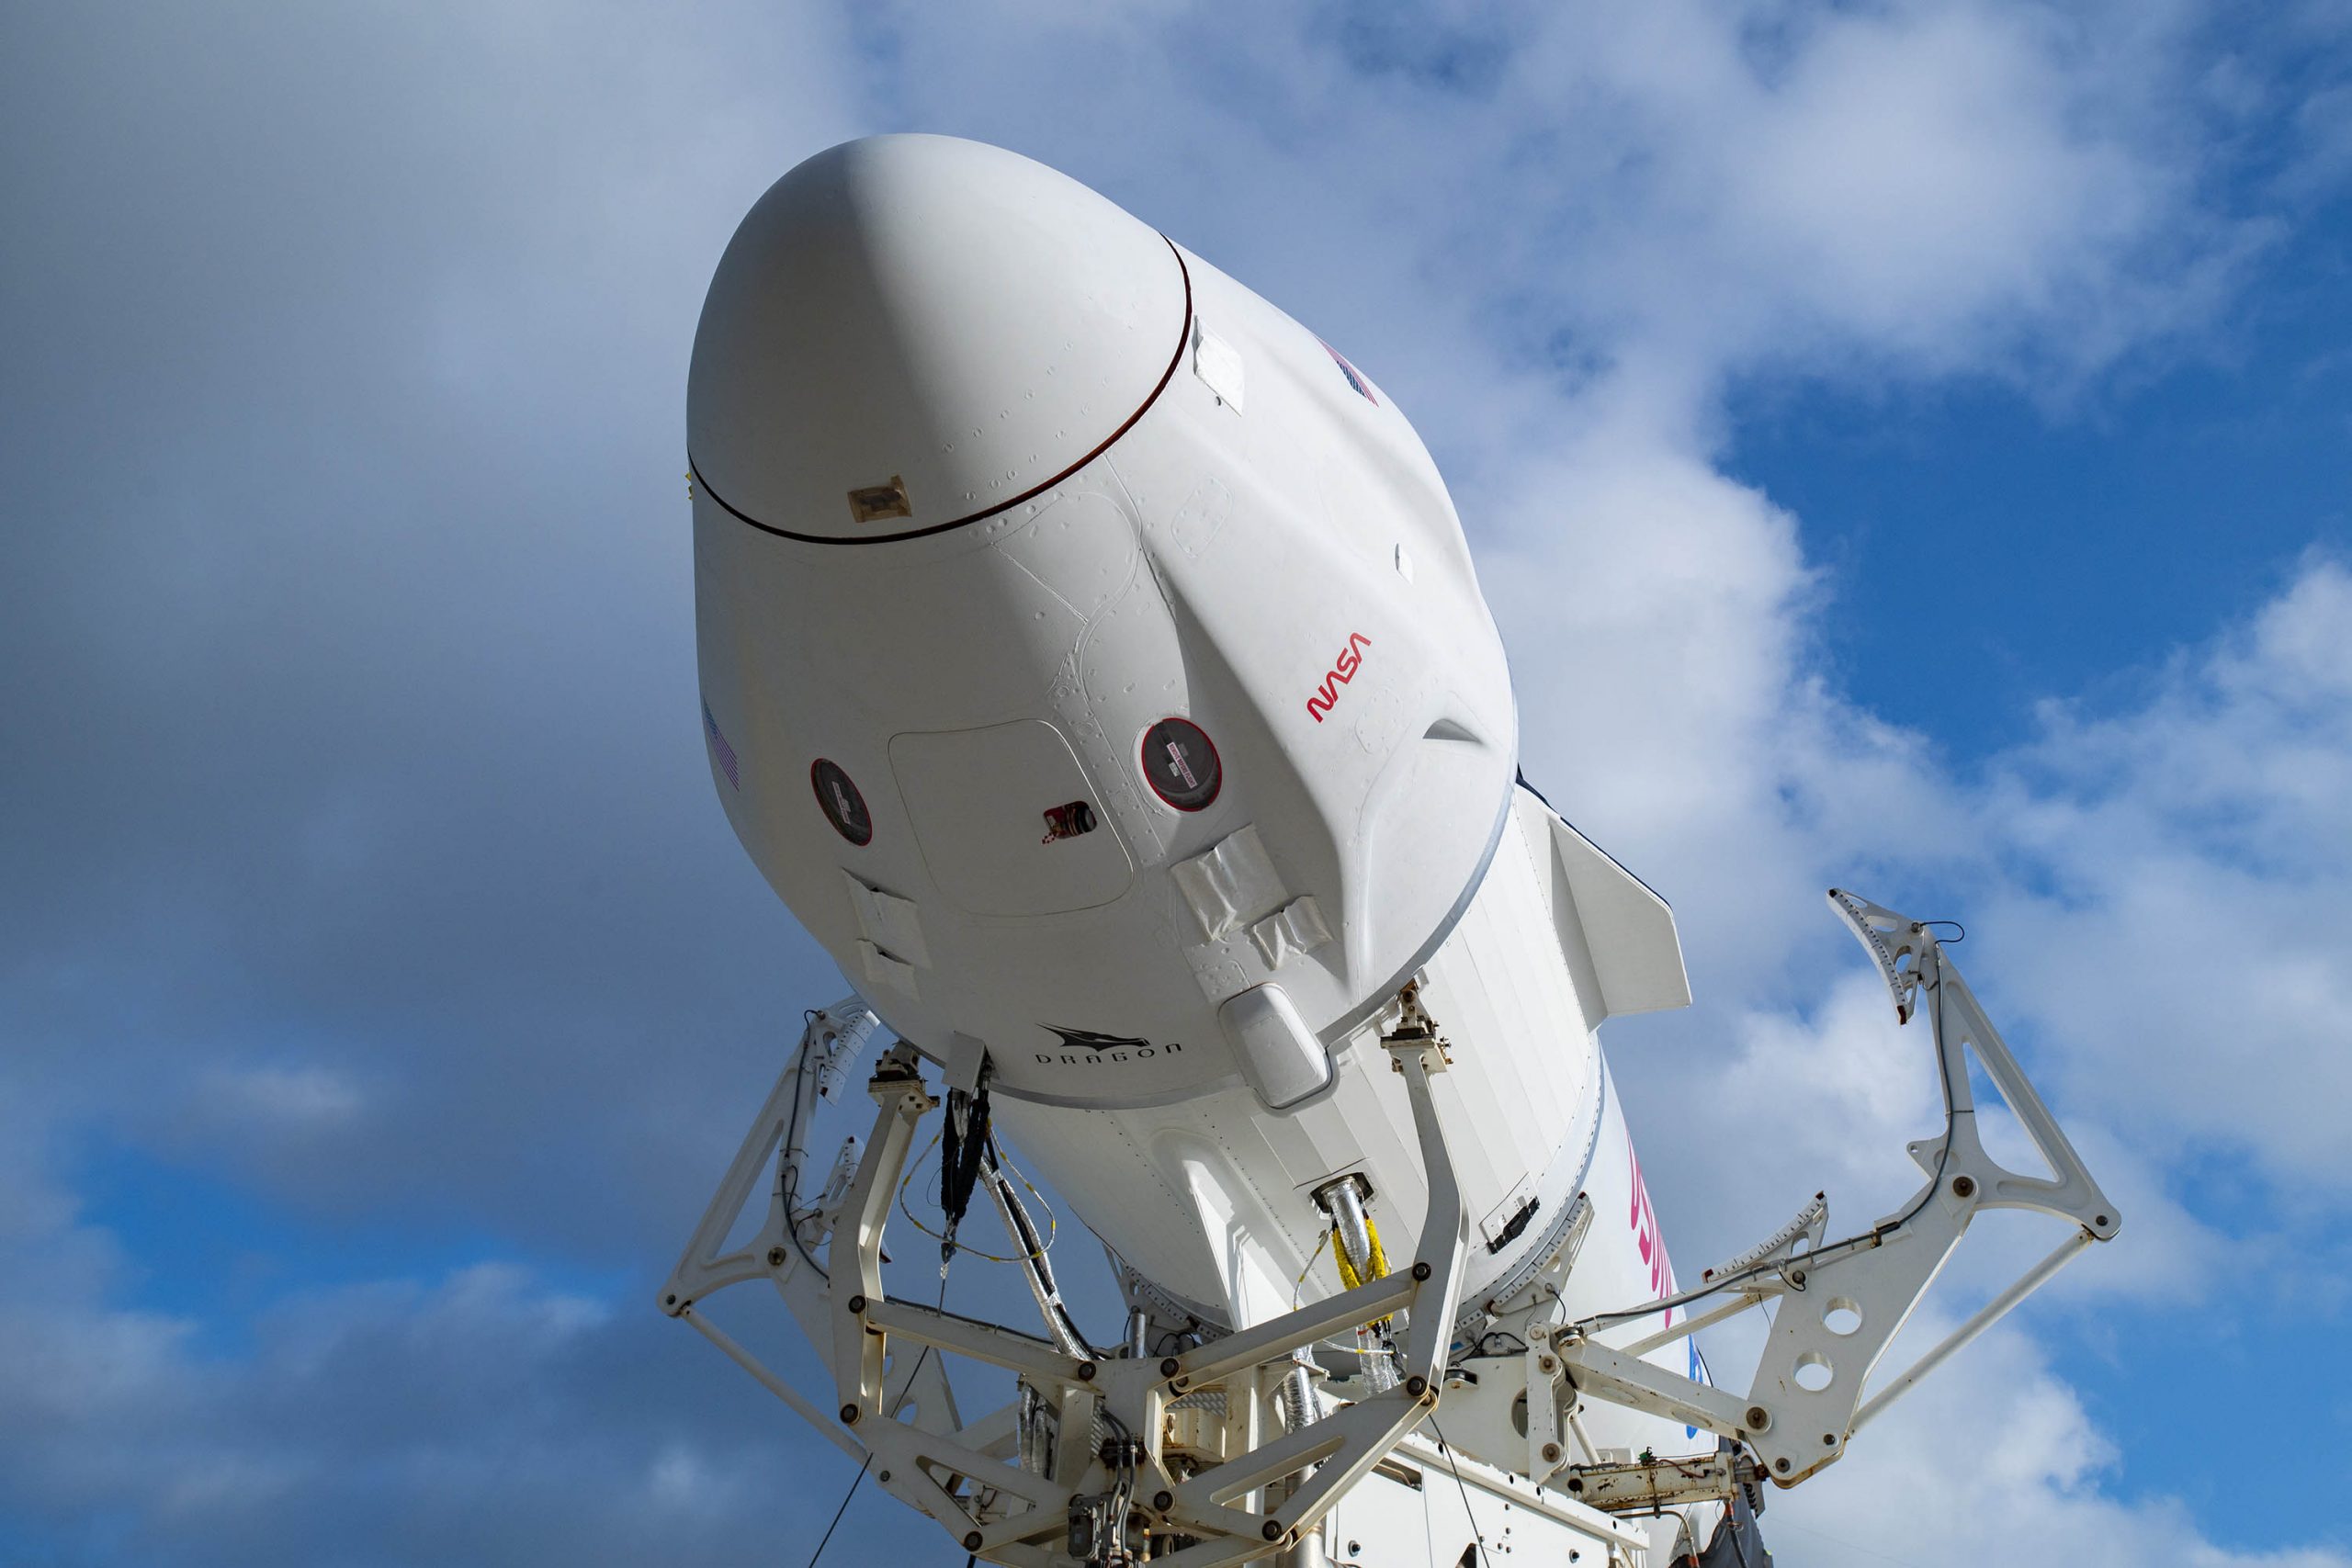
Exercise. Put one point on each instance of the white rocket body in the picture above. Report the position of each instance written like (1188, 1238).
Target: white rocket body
(1092, 660)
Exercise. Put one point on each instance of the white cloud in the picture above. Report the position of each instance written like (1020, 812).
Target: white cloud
(2156, 896)
(299, 1098)
(2198, 858)
(483, 1414)
(1933, 186)
(2145, 882)
(1995, 1461)
(1562, 259)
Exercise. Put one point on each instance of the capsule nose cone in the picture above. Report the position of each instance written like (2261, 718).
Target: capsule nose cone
(909, 332)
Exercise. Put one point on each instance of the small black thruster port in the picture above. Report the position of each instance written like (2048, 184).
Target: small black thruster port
(1069, 821)
(1181, 764)
(842, 806)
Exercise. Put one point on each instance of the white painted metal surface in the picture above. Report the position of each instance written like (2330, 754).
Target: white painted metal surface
(1091, 659)
(956, 327)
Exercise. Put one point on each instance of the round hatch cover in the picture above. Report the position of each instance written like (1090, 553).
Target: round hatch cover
(843, 806)
(1181, 764)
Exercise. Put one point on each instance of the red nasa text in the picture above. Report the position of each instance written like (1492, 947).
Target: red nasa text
(1343, 669)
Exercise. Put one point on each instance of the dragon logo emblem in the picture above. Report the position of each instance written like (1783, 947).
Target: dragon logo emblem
(1087, 1040)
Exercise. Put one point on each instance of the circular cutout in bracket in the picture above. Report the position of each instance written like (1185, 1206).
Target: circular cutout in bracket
(839, 799)
(1181, 764)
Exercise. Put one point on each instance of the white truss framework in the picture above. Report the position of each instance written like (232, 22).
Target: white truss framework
(1011, 1497)
(1840, 1304)
(967, 1475)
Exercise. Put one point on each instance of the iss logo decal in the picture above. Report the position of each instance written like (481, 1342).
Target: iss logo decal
(1100, 1048)
(1343, 669)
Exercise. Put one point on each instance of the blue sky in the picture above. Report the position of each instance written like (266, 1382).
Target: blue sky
(1906, 445)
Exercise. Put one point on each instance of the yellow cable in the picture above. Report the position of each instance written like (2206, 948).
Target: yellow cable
(1298, 1286)
(1379, 1259)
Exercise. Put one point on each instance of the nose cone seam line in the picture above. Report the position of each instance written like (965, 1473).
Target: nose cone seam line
(1183, 337)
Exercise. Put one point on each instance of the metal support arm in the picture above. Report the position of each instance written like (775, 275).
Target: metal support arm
(1840, 1304)
(960, 1474)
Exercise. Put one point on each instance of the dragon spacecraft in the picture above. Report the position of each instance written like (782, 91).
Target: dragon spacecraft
(1092, 660)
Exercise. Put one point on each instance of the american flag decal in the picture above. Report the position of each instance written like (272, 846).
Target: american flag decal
(719, 749)
(1355, 376)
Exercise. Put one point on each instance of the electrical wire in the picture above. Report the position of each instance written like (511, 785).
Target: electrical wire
(787, 1174)
(1446, 1449)
(1004, 1163)
(1121, 1498)
(1859, 1242)
(1298, 1290)
(827, 1539)
(788, 1177)
(1053, 1222)
(1298, 1287)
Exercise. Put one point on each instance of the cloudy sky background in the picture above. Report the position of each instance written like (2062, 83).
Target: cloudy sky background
(1906, 445)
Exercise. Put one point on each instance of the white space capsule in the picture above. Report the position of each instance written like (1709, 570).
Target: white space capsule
(1092, 660)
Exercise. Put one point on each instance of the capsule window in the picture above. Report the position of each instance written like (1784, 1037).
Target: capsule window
(839, 801)
(1181, 764)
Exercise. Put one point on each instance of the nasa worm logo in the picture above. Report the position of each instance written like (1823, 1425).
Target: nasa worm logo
(1343, 669)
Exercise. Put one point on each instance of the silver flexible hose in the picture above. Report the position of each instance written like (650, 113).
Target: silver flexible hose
(1344, 1203)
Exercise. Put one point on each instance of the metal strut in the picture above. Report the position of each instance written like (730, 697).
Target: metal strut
(1841, 1304)
(995, 1484)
